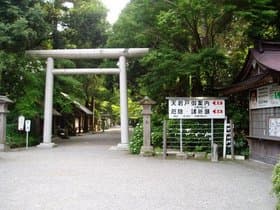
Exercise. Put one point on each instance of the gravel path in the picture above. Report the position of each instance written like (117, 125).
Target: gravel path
(86, 173)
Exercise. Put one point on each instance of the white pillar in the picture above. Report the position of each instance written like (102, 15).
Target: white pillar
(123, 104)
(47, 135)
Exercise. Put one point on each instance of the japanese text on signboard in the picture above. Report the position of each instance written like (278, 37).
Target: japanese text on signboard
(192, 108)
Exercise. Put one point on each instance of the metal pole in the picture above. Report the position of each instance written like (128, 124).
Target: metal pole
(123, 104)
(27, 135)
(181, 136)
(232, 138)
(212, 135)
(164, 140)
(225, 138)
(212, 132)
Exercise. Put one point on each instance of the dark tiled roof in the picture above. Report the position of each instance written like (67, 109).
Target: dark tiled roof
(266, 55)
(268, 59)
(250, 83)
(77, 104)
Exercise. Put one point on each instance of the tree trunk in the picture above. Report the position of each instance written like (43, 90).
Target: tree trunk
(196, 85)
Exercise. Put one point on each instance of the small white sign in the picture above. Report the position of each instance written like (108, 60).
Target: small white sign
(21, 123)
(27, 125)
(196, 108)
(274, 127)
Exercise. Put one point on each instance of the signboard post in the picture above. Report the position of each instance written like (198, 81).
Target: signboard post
(181, 135)
(27, 130)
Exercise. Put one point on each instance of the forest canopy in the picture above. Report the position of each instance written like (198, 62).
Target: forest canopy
(196, 47)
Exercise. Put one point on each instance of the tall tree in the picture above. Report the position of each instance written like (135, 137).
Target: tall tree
(82, 26)
(196, 45)
(85, 25)
(23, 25)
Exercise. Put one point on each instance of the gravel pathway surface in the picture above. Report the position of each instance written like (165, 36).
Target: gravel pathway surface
(86, 172)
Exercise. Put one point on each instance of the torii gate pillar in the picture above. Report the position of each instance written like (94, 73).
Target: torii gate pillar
(47, 132)
(123, 104)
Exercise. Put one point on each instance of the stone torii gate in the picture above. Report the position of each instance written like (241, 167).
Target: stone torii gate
(115, 53)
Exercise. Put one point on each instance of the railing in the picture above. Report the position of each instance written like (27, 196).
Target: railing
(197, 136)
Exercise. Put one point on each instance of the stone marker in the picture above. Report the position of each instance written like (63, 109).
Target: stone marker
(214, 155)
(147, 149)
(3, 112)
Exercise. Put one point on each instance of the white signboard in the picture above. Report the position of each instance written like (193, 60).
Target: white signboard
(274, 127)
(27, 125)
(21, 123)
(196, 108)
(264, 97)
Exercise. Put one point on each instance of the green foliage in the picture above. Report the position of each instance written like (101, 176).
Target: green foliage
(241, 145)
(237, 112)
(197, 47)
(23, 25)
(136, 141)
(22, 80)
(276, 183)
(261, 16)
(156, 136)
(135, 26)
(188, 58)
(196, 136)
(159, 81)
(85, 25)
(172, 73)
(157, 125)
(134, 109)
(29, 104)
(17, 138)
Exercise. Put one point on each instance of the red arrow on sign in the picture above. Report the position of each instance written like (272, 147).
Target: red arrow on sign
(218, 111)
(217, 102)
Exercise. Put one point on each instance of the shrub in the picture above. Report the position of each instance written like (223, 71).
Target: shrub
(136, 140)
(238, 113)
(276, 183)
(241, 145)
(156, 136)
(17, 139)
(157, 125)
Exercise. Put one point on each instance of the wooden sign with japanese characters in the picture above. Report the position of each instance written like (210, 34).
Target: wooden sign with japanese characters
(196, 108)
